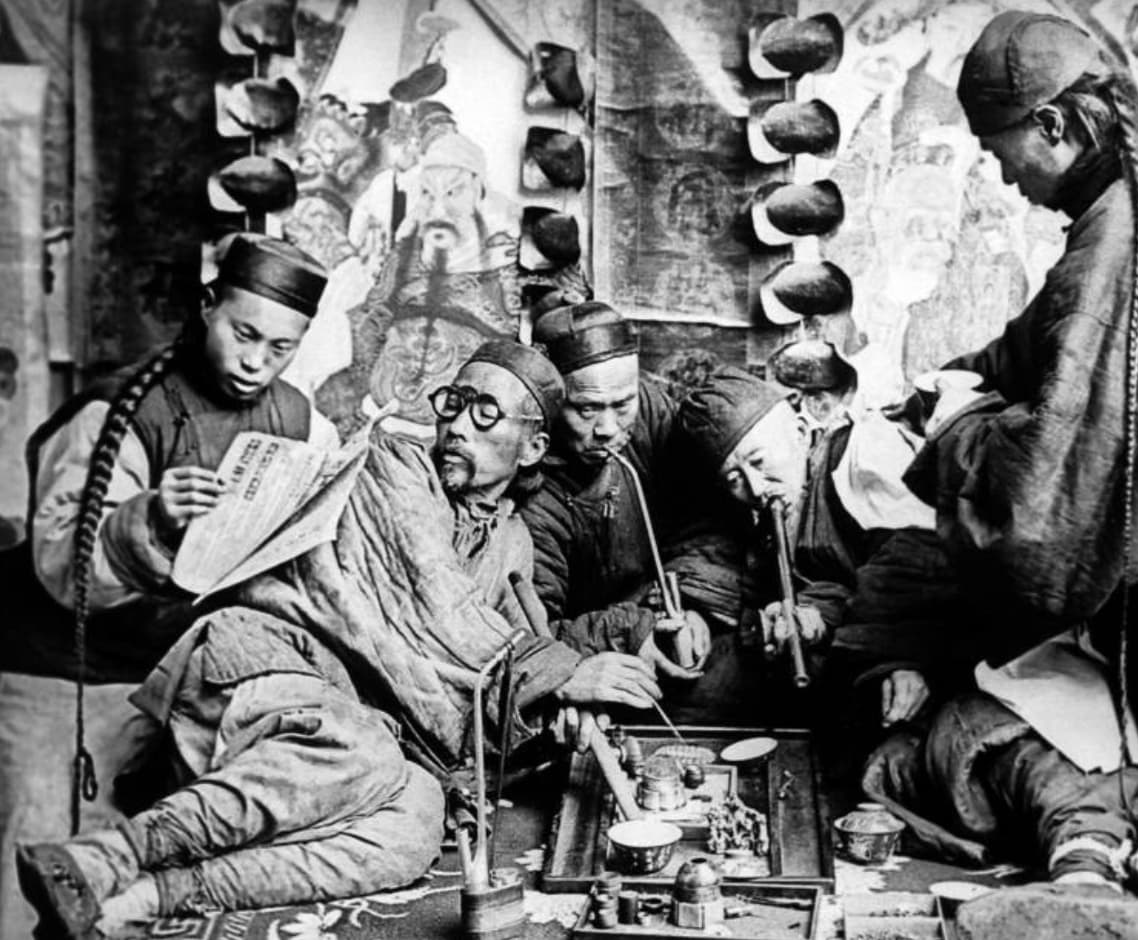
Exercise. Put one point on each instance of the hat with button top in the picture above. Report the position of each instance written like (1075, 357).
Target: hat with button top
(579, 335)
(1019, 62)
(276, 269)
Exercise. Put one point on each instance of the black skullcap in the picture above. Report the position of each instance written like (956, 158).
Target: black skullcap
(534, 371)
(272, 268)
(578, 335)
(1021, 61)
(715, 416)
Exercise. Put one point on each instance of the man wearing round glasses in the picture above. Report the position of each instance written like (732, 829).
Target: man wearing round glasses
(492, 436)
(481, 445)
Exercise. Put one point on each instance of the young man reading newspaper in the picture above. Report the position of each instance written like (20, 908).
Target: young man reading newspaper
(154, 433)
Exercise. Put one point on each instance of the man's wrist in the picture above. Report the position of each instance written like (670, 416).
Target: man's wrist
(166, 535)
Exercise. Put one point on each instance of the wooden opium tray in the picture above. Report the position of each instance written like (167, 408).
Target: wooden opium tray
(785, 786)
(775, 912)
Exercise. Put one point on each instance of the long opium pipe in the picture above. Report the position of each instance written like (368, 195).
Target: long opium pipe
(598, 744)
(671, 603)
(481, 871)
(789, 601)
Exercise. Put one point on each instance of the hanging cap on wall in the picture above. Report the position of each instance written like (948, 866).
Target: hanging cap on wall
(811, 365)
(254, 184)
(552, 159)
(259, 25)
(782, 46)
(777, 131)
(422, 83)
(550, 239)
(781, 211)
(255, 104)
(559, 77)
(799, 289)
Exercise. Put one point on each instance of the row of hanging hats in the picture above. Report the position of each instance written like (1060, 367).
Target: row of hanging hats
(255, 107)
(553, 160)
(781, 212)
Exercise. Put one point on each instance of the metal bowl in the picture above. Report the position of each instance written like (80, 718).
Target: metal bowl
(641, 846)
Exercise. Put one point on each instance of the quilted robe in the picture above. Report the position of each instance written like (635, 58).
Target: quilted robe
(411, 617)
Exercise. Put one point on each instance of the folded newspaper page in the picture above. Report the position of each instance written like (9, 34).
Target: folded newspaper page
(283, 498)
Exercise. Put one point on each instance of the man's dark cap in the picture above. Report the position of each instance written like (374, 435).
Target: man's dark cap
(715, 416)
(532, 369)
(1019, 62)
(579, 335)
(272, 268)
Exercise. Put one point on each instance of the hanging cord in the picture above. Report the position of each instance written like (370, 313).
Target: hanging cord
(85, 785)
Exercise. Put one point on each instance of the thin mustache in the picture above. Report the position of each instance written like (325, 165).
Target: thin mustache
(455, 449)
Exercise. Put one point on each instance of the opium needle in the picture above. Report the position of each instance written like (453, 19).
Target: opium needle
(664, 718)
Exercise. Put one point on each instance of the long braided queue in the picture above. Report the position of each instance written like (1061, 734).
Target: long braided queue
(123, 407)
(1124, 97)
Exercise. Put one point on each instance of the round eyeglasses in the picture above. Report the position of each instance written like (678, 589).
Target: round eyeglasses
(450, 401)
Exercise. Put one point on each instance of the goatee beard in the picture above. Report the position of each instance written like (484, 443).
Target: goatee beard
(455, 472)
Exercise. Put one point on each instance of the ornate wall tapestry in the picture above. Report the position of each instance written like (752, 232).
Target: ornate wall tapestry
(408, 159)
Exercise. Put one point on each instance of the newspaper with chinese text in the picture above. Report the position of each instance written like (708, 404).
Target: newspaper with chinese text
(283, 497)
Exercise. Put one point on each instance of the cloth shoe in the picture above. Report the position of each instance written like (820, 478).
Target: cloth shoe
(56, 887)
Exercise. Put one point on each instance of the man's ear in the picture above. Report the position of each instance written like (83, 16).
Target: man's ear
(534, 449)
(1051, 121)
(208, 301)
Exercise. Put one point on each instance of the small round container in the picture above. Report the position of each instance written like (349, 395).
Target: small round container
(640, 846)
(661, 785)
(627, 907)
(697, 882)
(868, 835)
(694, 776)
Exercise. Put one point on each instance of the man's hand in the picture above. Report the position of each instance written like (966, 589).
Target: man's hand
(951, 398)
(574, 727)
(776, 629)
(654, 656)
(612, 679)
(903, 693)
(691, 639)
(186, 492)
